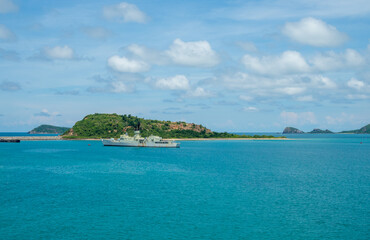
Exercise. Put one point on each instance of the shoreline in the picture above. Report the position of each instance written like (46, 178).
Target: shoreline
(56, 138)
(32, 138)
(215, 139)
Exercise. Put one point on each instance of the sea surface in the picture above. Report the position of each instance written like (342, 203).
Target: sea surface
(311, 187)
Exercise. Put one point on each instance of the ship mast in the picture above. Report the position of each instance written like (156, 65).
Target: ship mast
(137, 129)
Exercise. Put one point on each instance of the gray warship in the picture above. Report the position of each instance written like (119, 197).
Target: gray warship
(139, 141)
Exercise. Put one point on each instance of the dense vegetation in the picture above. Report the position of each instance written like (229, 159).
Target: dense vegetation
(113, 125)
(48, 129)
(365, 129)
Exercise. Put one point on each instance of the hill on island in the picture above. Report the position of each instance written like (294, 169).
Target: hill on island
(48, 129)
(365, 129)
(113, 125)
(289, 130)
(317, 130)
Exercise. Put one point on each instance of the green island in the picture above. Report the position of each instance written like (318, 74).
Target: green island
(365, 129)
(98, 125)
(48, 129)
(317, 130)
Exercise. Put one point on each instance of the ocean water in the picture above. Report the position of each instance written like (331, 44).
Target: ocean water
(315, 187)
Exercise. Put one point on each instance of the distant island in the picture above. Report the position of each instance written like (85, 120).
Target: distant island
(317, 130)
(48, 129)
(365, 129)
(289, 130)
(95, 126)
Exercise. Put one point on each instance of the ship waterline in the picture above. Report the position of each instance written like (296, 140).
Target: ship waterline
(138, 141)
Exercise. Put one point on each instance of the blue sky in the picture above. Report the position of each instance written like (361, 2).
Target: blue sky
(228, 65)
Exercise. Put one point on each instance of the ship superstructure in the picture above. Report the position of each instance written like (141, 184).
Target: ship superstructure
(139, 141)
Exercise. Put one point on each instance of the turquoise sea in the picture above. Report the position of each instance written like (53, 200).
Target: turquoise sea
(313, 187)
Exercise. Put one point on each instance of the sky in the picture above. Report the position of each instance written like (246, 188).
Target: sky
(238, 66)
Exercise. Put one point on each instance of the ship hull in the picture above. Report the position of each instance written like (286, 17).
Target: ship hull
(114, 143)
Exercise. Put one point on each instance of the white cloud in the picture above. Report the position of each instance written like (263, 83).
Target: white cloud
(319, 81)
(58, 52)
(314, 32)
(288, 63)
(305, 87)
(353, 58)
(181, 83)
(199, 92)
(356, 84)
(125, 12)
(298, 118)
(7, 6)
(250, 109)
(122, 64)
(197, 54)
(337, 61)
(178, 82)
(6, 34)
(254, 84)
(292, 62)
